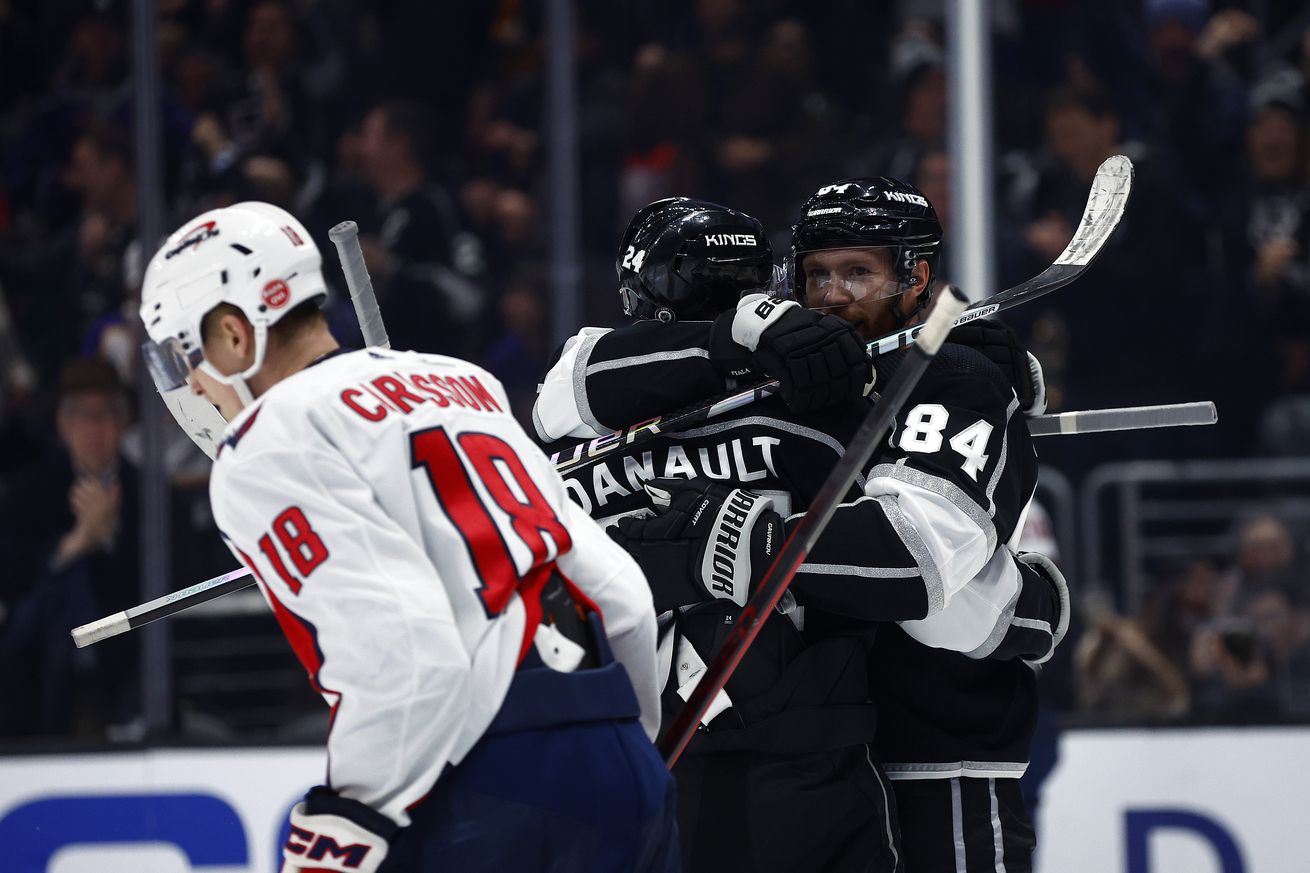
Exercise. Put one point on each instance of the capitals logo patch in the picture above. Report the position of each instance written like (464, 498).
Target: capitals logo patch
(193, 238)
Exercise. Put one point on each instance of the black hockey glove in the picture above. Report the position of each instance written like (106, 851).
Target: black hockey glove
(1043, 601)
(707, 541)
(333, 833)
(1001, 345)
(819, 359)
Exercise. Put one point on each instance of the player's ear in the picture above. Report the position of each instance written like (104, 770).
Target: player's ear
(236, 336)
(923, 272)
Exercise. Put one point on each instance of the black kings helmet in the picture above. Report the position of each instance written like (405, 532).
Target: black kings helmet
(858, 213)
(690, 259)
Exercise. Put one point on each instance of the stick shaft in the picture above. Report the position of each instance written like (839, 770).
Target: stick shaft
(345, 236)
(1127, 418)
(161, 607)
(802, 539)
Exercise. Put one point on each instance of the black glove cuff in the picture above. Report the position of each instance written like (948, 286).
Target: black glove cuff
(730, 359)
(322, 800)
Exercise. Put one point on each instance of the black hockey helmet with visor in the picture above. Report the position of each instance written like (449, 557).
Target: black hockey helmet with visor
(868, 213)
(686, 259)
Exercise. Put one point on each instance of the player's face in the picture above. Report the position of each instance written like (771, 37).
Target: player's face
(859, 285)
(222, 396)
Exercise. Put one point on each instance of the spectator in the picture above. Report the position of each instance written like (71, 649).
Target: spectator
(520, 355)
(263, 112)
(1256, 666)
(922, 123)
(58, 292)
(1271, 247)
(427, 268)
(1151, 268)
(1281, 624)
(1121, 672)
(73, 557)
(1197, 101)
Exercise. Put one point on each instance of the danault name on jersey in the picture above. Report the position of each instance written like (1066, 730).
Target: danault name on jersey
(377, 398)
(739, 460)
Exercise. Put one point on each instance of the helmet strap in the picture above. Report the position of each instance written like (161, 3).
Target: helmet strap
(238, 382)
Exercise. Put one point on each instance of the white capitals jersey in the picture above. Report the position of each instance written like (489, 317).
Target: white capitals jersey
(393, 512)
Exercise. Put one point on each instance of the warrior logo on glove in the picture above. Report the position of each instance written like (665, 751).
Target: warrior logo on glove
(708, 541)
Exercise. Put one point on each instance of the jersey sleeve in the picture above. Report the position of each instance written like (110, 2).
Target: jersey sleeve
(1006, 611)
(939, 500)
(589, 392)
(611, 578)
(365, 612)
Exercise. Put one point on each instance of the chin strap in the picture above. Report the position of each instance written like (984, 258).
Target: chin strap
(238, 382)
(902, 321)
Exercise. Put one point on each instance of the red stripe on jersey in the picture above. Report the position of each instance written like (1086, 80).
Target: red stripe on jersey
(299, 633)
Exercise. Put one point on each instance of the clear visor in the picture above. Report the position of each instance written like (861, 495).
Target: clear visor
(840, 277)
(169, 364)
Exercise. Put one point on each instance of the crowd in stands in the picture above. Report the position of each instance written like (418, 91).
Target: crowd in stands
(425, 121)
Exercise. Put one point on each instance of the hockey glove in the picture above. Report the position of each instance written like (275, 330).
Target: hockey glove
(707, 541)
(330, 833)
(1043, 600)
(1001, 345)
(819, 359)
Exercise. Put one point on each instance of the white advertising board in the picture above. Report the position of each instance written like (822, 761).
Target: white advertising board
(165, 811)
(1119, 801)
(1201, 800)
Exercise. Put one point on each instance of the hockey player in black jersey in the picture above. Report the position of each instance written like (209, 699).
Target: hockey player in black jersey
(621, 375)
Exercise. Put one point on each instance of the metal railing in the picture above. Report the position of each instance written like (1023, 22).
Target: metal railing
(1175, 510)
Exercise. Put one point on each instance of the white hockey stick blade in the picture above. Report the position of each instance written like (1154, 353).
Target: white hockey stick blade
(345, 236)
(1128, 418)
(1108, 197)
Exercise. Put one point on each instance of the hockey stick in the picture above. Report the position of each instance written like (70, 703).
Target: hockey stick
(794, 551)
(345, 236)
(1105, 207)
(161, 607)
(1064, 423)
(1128, 418)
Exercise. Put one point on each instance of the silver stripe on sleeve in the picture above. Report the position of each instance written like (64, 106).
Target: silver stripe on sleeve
(855, 570)
(1000, 465)
(945, 488)
(1033, 623)
(957, 827)
(918, 549)
(1003, 622)
(943, 770)
(886, 809)
(536, 422)
(580, 382)
(638, 360)
(996, 827)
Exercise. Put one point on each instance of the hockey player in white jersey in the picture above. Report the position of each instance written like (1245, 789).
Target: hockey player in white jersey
(487, 652)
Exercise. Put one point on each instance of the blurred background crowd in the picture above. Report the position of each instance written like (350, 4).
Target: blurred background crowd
(424, 121)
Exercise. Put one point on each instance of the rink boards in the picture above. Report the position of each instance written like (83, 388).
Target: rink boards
(1119, 801)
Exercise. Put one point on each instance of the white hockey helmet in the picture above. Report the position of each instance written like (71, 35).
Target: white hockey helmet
(255, 256)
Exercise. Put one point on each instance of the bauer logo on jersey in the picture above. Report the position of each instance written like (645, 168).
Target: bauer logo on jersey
(193, 238)
(276, 294)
